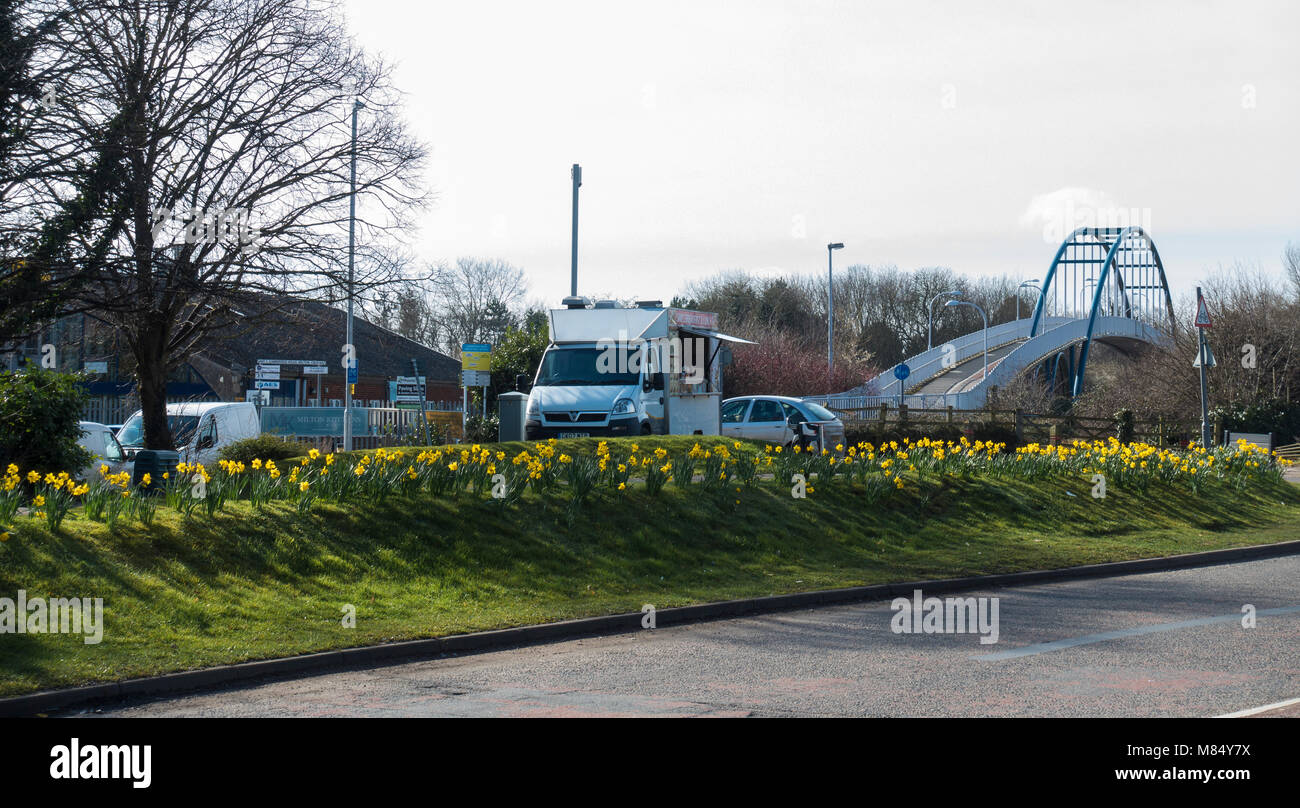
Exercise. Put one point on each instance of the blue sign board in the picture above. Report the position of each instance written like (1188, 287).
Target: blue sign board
(902, 371)
(311, 421)
(352, 374)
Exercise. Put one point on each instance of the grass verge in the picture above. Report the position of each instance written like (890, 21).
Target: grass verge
(257, 584)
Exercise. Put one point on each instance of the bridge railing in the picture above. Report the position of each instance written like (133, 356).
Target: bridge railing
(915, 402)
(930, 363)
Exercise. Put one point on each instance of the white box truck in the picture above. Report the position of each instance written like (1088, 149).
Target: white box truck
(639, 370)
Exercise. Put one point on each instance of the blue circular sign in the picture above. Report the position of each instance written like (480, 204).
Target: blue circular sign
(902, 371)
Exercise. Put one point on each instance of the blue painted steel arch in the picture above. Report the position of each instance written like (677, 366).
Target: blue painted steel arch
(1119, 243)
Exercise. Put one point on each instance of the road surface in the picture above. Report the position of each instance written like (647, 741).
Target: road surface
(961, 372)
(1159, 644)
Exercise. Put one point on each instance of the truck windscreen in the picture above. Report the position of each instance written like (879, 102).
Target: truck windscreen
(587, 366)
(181, 426)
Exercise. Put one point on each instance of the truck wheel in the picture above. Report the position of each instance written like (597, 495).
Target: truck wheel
(645, 428)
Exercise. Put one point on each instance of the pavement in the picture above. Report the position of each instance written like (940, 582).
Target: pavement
(1157, 644)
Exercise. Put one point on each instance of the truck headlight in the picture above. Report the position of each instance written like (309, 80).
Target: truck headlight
(624, 406)
(534, 408)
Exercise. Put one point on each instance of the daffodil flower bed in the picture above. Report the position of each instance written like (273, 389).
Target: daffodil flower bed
(442, 540)
(483, 471)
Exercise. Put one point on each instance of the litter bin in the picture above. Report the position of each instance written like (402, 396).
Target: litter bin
(511, 410)
(155, 463)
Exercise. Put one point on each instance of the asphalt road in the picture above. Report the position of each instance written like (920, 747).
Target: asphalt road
(1160, 644)
(963, 371)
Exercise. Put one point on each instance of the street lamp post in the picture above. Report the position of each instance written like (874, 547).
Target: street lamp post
(351, 352)
(955, 303)
(929, 314)
(1033, 282)
(576, 173)
(830, 309)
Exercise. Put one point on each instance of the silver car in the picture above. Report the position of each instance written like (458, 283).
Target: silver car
(775, 419)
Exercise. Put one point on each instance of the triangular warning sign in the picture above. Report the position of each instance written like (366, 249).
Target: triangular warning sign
(1210, 363)
(1202, 314)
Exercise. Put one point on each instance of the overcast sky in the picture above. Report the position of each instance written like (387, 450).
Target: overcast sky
(717, 135)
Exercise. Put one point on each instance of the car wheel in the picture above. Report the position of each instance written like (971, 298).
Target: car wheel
(645, 428)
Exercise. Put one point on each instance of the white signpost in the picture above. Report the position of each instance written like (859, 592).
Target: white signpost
(269, 371)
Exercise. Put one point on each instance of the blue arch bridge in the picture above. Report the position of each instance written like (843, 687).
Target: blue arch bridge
(1105, 285)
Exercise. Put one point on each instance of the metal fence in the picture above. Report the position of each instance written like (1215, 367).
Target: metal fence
(383, 426)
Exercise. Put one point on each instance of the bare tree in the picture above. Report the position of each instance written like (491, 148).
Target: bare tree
(475, 300)
(51, 244)
(235, 167)
(1291, 262)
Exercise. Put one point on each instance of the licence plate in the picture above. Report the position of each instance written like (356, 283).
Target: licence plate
(575, 434)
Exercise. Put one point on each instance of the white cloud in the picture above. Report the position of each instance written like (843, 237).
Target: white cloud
(1059, 212)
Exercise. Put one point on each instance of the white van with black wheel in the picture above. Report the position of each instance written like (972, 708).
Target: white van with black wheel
(200, 429)
(625, 371)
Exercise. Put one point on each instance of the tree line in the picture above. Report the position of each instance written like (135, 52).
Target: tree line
(881, 316)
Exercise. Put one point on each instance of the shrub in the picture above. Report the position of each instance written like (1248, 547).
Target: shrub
(1276, 415)
(1124, 425)
(263, 447)
(40, 411)
(480, 429)
(874, 433)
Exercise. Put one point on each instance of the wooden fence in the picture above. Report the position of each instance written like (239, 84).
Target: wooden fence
(1290, 452)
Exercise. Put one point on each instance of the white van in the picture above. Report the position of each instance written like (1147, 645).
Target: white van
(641, 370)
(100, 442)
(200, 428)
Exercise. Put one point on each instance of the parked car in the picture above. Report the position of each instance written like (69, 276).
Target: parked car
(100, 441)
(775, 419)
(199, 428)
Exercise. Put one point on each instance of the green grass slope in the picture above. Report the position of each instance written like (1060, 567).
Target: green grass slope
(256, 584)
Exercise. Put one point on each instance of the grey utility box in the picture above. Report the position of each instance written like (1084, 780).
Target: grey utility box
(512, 409)
(1263, 440)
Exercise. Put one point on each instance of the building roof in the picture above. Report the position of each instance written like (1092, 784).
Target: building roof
(307, 330)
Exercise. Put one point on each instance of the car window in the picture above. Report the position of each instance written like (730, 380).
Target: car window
(181, 426)
(791, 411)
(764, 411)
(112, 449)
(733, 412)
(209, 430)
(819, 412)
